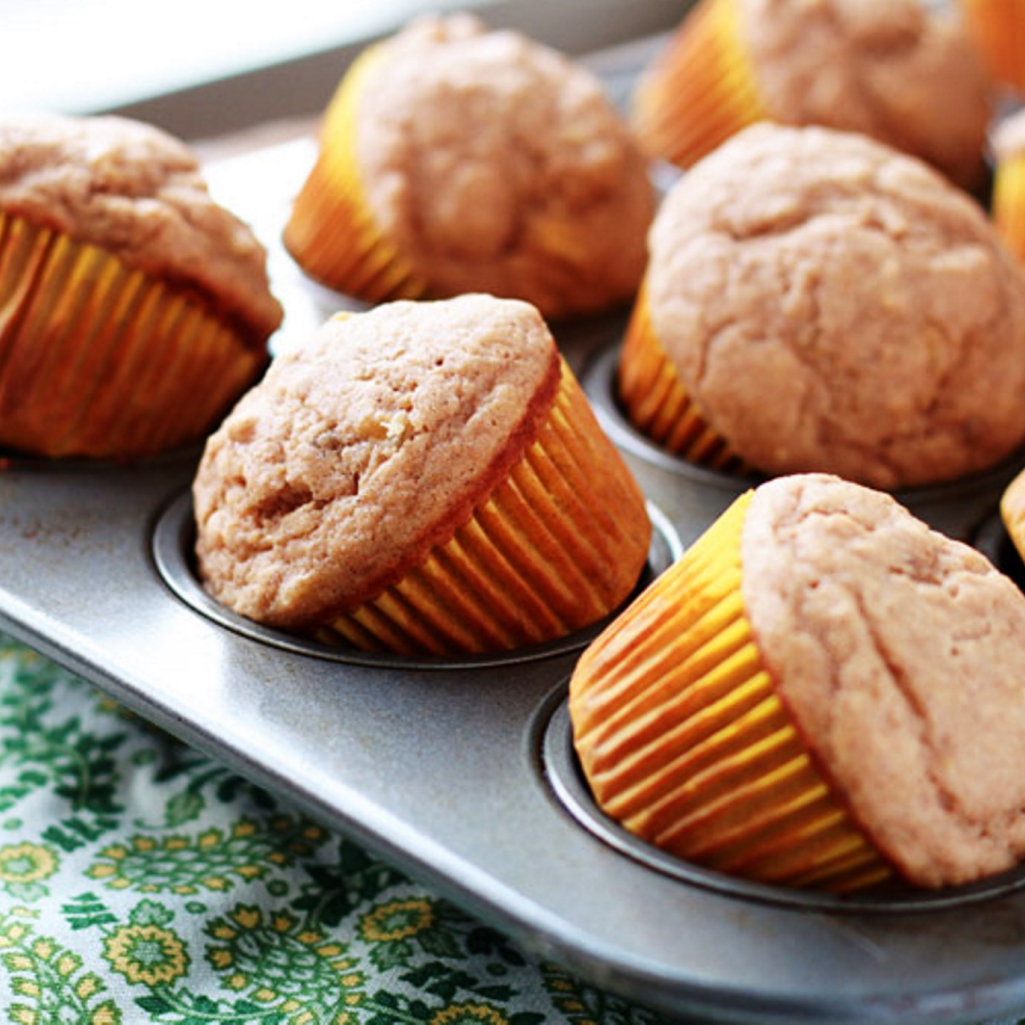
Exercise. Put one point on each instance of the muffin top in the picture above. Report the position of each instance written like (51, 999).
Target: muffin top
(900, 655)
(498, 165)
(365, 447)
(136, 192)
(831, 304)
(891, 69)
(1009, 137)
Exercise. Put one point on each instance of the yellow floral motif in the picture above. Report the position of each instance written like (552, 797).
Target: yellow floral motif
(146, 954)
(397, 920)
(465, 1014)
(26, 863)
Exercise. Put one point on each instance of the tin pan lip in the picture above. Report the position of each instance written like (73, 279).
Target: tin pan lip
(598, 379)
(172, 542)
(565, 779)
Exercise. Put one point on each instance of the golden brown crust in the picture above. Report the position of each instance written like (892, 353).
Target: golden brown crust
(899, 653)
(892, 69)
(364, 448)
(831, 304)
(136, 192)
(495, 164)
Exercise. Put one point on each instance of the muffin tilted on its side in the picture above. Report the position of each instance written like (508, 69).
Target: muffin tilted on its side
(895, 70)
(454, 159)
(816, 301)
(426, 477)
(822, 692)
(133, 309)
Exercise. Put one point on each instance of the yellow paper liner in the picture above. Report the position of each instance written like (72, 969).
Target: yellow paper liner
(1008, 203)
(684, 740)
(98, 359)
(331, 232)
(656, 402)
(535, 561)
(998, 30)
(702, 89)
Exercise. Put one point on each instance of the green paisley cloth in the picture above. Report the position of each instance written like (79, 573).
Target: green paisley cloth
(141, 881)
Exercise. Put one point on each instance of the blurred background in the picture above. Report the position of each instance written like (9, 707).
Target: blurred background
(202, 67)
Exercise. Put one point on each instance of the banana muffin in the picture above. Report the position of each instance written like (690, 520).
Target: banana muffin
(133, 308)
(897, 70)
(425, 477)
(456, 159)
(822, 692)
(818, 301)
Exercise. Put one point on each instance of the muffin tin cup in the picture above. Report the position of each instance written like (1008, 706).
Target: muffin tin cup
(1008, 202)
(331, 232)
(554, 548)
(687, 744)
(128, 365)
(701, 91)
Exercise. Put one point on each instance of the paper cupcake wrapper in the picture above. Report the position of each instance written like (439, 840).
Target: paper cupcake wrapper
(685, 742)
(1008, 203)
(701, 91)
(533, 562)
(656, 402)
(331, 232)
(98, 359)
(998, 30)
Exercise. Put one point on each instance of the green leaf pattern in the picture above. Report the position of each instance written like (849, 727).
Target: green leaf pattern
(143, 882)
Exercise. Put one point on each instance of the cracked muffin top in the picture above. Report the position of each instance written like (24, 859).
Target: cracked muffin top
(899, 654)
(365, 447)
(892, 69)
(498, 165)
(136, 192)
(833, 305)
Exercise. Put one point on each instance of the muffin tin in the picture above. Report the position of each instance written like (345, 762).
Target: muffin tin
(462, 770)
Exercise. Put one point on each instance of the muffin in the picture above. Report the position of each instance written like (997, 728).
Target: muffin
(825, 303)
(822, 692)
(133, 309)
(890, 69)
(425, 477)
(455, 159)
(1008, 204)
(997, 28)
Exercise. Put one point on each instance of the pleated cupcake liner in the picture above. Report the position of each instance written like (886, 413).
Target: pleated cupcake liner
(557, 545)
(331, 232)
(98, 359)
(701, 91)
(1008, 203)
(656, 401)
(686, 743)
(998, 31)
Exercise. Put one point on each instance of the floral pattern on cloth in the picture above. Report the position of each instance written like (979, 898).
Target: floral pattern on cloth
(141, 881)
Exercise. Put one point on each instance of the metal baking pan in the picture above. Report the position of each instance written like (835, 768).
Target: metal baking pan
(462, 771)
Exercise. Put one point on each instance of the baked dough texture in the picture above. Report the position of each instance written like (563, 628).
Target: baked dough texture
(900, 656)
(892, 69)
(365, 447)
(138, 193)
(833, 305)
(495, 164)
